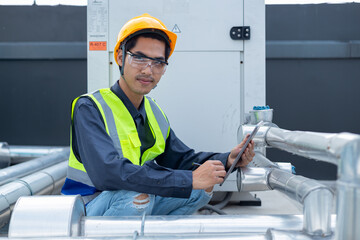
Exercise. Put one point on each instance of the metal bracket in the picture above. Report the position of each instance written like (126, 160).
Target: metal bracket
(240, 33)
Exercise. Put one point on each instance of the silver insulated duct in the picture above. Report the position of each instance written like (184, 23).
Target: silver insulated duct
(342, 149)
(22, 169)
(33, 217)
(43, 181)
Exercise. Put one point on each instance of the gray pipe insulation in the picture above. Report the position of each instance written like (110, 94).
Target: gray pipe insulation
(11, 155)
(46, 181)
(342, 149)
(34, 217)
(22, 169)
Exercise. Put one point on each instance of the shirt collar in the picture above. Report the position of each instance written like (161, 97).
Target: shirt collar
(128, 104)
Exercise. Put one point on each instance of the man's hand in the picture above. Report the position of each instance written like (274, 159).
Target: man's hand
(208, 174)
(246, 157)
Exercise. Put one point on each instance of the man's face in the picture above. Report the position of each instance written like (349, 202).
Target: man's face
(140, 82)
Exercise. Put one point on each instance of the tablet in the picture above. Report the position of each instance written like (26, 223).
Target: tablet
(238, 157)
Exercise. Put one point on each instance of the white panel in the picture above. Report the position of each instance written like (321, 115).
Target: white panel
(200, 93)
(254, 55)
(204, 24)
(97, 31)
(211, 80)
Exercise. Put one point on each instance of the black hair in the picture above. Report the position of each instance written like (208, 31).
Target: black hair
(130, 43)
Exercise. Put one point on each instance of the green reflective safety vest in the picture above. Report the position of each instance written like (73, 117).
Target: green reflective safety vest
(121, 128)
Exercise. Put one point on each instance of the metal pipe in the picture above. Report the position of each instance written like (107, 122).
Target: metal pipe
(14, 172)
(136, 236)
(319, 146)
(47, 216)
(348, 192)
(253, 179)
(261, 161)
(275, 234)
(46, 181)
(4, 155)
(34, 217)
(19, 154)
(255, 176)
(342, 149)
(315, 198)
(156, 225)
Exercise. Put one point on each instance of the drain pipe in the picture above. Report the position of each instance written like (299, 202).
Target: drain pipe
(342, 149)
(47, 181)
(22, 169)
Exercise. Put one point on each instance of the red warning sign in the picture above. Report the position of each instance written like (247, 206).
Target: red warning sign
(97, 46)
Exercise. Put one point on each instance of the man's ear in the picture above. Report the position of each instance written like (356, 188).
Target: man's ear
(119, 57)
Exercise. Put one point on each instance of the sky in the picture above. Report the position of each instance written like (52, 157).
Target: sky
(84, 2)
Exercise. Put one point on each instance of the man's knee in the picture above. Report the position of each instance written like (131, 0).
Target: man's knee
(200, 197)
(141, 199)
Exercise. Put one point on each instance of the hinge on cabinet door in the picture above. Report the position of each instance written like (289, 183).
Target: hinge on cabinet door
(240, 33)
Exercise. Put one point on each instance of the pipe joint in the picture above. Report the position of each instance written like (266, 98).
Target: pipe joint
(253, 179)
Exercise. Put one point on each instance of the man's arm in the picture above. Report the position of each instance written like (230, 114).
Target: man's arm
(108, 171)
(178, 155)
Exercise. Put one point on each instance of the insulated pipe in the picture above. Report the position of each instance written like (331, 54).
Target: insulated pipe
(326, 147)
(319, 146)
(315, 198)
(19, 154)
(342, 149)
(22, 169)
(4, 155)
(136, 236)
(255, 176)
(120, 226)
(34, 217)
(275, 234)
(47, 181)
(348, 192)
(253, 179)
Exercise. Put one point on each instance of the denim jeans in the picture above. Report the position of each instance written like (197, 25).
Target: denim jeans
(128, 203)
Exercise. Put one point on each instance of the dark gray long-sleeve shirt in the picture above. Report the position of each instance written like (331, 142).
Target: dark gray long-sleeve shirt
(169, 176)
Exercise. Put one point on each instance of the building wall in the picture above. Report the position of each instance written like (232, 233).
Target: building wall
(42, 68)
(313, 72)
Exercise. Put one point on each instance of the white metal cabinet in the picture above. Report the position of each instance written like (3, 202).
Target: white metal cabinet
(211, 81)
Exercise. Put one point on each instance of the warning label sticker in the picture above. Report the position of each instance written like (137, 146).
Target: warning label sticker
(97, 46)
(176, 29)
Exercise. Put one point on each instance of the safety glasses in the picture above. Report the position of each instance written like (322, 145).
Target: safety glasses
(141, 62)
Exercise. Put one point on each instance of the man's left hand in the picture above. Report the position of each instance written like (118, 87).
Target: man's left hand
(246, 157)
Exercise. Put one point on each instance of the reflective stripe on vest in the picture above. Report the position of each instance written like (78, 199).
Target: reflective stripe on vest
(121, 128)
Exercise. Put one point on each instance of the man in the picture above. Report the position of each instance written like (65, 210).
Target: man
(125, 159)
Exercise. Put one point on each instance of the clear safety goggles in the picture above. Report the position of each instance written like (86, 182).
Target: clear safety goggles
(141, 62)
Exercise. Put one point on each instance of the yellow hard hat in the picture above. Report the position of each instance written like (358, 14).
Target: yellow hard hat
(140, 23)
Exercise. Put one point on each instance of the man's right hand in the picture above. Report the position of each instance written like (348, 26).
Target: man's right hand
(208, 174)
